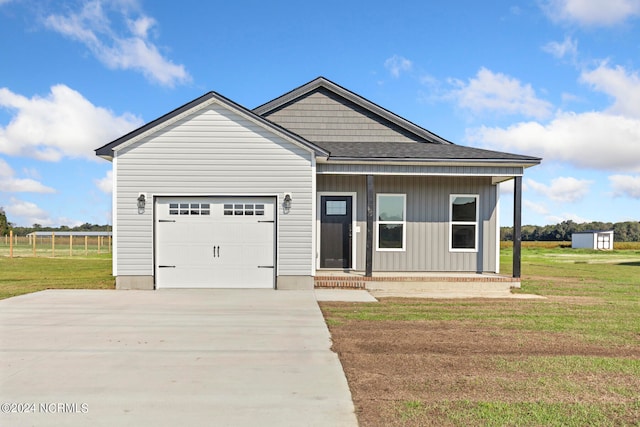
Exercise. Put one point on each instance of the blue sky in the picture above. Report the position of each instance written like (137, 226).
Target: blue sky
(558, 79)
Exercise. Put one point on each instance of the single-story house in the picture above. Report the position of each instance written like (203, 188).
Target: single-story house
(592, 239)
(214, 194)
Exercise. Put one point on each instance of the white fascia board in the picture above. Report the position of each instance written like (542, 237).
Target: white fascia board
(314, 215)
(114, 215)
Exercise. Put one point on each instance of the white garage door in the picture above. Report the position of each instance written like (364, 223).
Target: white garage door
(215, 242)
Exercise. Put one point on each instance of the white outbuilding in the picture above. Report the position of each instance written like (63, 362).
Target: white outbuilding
(593, 239)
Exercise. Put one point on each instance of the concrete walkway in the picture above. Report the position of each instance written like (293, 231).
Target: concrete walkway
(169, 358)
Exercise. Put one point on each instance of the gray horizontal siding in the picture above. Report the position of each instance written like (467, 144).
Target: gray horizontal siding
(427, 221)
(213, 152)
(322, 116)
(333, 168)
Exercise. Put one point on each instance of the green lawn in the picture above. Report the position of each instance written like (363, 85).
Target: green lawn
(593, 302)
(24, 275)
(578, 272)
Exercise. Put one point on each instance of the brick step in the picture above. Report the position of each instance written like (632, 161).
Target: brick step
(339, 282)
(414, 282)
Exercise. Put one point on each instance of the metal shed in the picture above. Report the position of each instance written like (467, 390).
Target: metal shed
(592, 239)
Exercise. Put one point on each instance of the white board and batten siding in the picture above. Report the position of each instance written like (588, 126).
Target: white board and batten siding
(211, 152)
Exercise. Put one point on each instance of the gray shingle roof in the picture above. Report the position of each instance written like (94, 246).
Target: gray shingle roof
(437, 149)
(417, 151)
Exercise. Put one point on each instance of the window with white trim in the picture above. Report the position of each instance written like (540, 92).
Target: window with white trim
(391, 231)
(463, 222)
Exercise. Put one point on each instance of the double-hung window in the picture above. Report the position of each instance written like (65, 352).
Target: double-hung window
(463, 224)
(392, 224)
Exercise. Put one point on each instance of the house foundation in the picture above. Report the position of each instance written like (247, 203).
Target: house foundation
(424, 285)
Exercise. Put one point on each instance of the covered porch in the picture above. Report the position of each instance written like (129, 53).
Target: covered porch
(425, 251)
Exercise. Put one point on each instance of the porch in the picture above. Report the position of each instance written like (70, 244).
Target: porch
(420, 284)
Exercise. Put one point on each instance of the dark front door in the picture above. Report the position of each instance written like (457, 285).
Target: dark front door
(335, 232)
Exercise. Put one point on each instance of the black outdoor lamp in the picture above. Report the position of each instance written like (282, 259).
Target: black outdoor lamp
(287, 201)
(142, 201)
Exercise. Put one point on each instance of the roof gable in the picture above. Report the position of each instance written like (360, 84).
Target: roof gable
(322, 111)
(107, 151)
(335, 124)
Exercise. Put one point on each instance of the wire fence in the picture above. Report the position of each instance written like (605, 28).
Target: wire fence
(54, 246)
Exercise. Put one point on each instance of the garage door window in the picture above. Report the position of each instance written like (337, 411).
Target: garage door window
(248, 209)
(189, 209)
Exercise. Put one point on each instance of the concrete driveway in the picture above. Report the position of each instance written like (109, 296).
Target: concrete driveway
(169, 358)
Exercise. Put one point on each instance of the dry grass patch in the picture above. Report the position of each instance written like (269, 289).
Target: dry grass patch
(454, 372)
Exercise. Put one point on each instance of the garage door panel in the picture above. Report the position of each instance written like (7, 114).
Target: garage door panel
(232, 246)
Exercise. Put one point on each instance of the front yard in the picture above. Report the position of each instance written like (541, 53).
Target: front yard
(570, 360)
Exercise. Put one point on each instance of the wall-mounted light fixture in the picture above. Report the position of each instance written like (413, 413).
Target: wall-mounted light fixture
(286, 202)
(142, 201)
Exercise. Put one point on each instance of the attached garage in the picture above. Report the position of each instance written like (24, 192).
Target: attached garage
(214, 242)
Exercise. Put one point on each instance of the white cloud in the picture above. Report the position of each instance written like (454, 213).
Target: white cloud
(497, 92)
(608, 140)
(5, 169)
(539, 208)
(588, 140)
(63, 124)
(397, 64)
(506, 188)
(625, 185)
(592, 12)
(27, 213)
(10, 184)
(618, 83)
(562, 189)
(552, 218)
(31, 173)
(566, 216)
(568, 47)
(105, 184)
(131, 50)
(140, 27)
(569, 98)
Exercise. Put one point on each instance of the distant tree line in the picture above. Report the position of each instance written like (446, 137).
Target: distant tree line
(5, 226)
(4, 223)
(623, 231)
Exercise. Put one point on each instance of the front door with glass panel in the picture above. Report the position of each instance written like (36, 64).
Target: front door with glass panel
(335, 232)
